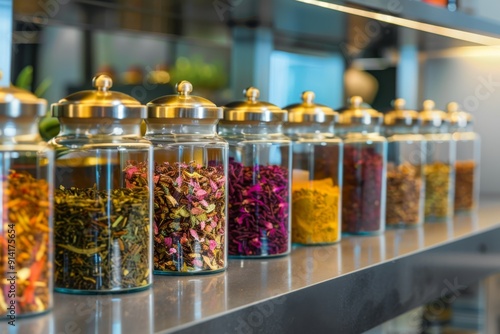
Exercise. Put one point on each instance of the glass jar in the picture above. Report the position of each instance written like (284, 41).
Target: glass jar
(439, 169)
(190, 192)
(468, 148)
(26, 186)
(364, 169)
(317, 172)
(405, 175)
(103, 194)
(259, 177)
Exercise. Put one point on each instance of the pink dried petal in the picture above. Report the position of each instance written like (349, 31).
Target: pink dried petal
(178, 180)
(200, 193)
(197, 210)
(213, 224)
(204, 203)
(172, 251)
(194, 234)
(131, 171)
(212, 244)
(197, 263)
(168, 242)
(156, 178)
(202, 225)
(155, 228)
(213, 185)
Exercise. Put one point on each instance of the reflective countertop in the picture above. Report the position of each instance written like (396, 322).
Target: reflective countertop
(353, 285)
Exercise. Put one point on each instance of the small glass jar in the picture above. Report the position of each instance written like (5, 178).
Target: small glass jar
(364, 169)
(190, 191)
(405, 175)
(27, 167)
(103, 196)
(439, 169)
(259, 177)
(317, 172)
(468, 146)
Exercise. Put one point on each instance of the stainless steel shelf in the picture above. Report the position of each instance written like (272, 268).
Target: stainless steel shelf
(347, 288)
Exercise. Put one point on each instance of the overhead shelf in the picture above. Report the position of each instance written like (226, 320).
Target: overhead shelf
(348, 287)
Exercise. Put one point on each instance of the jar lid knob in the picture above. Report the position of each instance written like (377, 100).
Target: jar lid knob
(102, 82)
(452, 107)
(399, 104)
(429, 105)
(356, 101)
(184, 87)
(308, 97)
(251, 93)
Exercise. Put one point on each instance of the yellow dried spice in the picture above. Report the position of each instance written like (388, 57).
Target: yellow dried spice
(437, 178)
(315, 212)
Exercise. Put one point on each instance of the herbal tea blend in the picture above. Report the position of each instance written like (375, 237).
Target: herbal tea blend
(258, 211)
(464, 185)
(437, 184)
(189, 218)
(26, 244)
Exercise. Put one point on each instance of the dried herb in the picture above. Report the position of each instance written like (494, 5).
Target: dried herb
(25, 244)
(315, 212)
(102, 237)
(404, 196)
(189, 218)
(258, 220)
(437, 185)
(362, 190)
(464, 185)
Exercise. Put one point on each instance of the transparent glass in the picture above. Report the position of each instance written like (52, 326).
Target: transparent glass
(316, 184)
(103, 206)
(439, 173)
(259, 189)
(405, 178)
(26, 186)
(468, 147)
(364, 183)
(190, 196)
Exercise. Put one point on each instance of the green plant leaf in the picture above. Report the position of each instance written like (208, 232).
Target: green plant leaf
(25, 78)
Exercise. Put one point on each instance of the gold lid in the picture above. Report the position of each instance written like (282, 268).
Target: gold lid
(253, 110)
(431, 116)
(457, 117)
(16, 102)
(99, 103)
(310, 112)
(356, 113)
(183, 105)
(400, 115)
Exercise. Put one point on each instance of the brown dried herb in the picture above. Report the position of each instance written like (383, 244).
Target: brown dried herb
(404, 198)
(437, 185)
(102, 237)
(189, 218)
(464, 185)
(25, 244)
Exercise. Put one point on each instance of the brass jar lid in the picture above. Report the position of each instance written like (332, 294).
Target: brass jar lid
(16, 102)
(356, 113)
(400, 115)
(310, 112)
(183, 105)
(253, 110)
(99, 103)
(432, 116)
(457, 117)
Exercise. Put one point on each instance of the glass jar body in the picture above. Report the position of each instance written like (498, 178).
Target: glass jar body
(405, 180)
(190, 195)
(103, 207)
(439, 173)
(468, 146)
(316, 185)
(259, 176)
(26, 255)
(364, 184)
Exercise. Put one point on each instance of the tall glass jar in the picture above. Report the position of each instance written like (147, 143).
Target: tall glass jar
(259, 177)
(364, 169)
(26, 186)
(439, 169)
(103, 196)
(317, 172)
(405, 175)
(190, 190)
(468, 146)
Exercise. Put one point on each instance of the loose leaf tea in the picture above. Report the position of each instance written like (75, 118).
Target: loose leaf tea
(437, 185)
(404, 195)
(24, 245)
(189, 218)
(362, 190)
(315, 211)
(258, 209)
(464, 185)
(102, 237)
